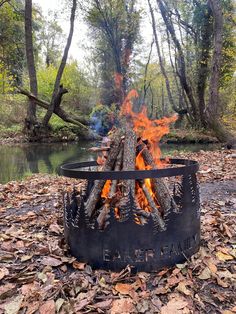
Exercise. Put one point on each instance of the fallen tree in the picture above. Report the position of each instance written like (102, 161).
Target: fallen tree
(71, 118)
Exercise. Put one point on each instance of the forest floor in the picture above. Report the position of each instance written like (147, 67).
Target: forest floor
(38, 275)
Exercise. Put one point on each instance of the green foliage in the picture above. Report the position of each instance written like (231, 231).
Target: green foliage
(12, 39)
(12, 110)
(74, 79)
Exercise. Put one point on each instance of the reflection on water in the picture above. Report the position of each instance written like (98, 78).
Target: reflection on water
(17, 162)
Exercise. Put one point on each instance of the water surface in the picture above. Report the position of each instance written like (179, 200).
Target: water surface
(19, 161)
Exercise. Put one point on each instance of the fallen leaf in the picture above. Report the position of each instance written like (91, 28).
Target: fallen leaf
(224, 257)
(55, 228)
(25, 258)
(174, 306)
(14, 306)
(103, 304)
(122, 306)
(205, 274)
(78, 265)
(221, 283)
(48, 307)
(161, 290)
(81, 304)
(51, 261)
(123, 288)
(182, 288)
(59, 303)
(7, 290)
(3, 272)
(32, 307)
(212, 267)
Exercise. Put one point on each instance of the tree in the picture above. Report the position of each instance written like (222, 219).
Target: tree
(36, 130)
(212, 110)
(11, 42)
(116, 24)
(51, 37)
(30, 121)
(201, 44)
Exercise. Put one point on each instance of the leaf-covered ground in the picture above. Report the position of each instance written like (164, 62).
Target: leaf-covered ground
(38, 275)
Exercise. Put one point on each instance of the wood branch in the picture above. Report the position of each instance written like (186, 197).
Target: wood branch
(104, 213)
(160, 188)
(90, 205)
(128, 186)
(57, 110)
(155, 212)
(99, 149)
(61, 67)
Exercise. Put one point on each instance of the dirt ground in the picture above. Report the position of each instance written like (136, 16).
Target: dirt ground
(38, 275)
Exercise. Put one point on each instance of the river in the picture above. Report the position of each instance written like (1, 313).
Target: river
(19, 161)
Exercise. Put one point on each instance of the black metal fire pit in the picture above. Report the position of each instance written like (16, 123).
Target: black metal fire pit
(122, 243)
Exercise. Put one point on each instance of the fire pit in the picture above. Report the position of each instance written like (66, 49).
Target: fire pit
(145, 246)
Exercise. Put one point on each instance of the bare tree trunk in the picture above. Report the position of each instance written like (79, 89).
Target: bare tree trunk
(181, 72)
(145, 85)
(203, 68)
(31, 112)
(212, 112)
(71, 118)
(163, 71)
(62, 67)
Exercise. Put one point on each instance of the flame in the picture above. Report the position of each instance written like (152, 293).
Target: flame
(100, 160)
(117, 212)
(147, 129)
(106, 189)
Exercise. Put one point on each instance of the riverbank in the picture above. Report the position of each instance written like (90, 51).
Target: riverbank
(65, 134)
(38, 274)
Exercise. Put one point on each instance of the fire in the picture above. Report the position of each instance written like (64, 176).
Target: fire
(151, 130)
(106, 189)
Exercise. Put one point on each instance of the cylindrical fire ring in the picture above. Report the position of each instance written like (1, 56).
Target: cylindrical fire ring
(140, 246)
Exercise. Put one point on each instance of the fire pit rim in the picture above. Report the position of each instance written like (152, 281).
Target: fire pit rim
(72, 170)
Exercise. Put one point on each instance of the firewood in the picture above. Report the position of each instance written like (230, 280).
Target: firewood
(94, 196)
(160, 187)
(155, 212)
(128, 186)
(99, 149)
(104, 213)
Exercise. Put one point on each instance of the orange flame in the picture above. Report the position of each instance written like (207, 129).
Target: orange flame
(100, 160)
(151, 130)
(106, 189)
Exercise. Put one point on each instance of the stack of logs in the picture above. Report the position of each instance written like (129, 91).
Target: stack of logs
(121, 155)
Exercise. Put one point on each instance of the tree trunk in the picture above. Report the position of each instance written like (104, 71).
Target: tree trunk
(212, 112)
(31, 111)
(203, 59)
(62, 67)
(181, 72)
(163, 71)
(78, 121)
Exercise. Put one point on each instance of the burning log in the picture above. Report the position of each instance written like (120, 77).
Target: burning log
(160, 188)
(90, 205)
(158, 220)
(99, 149)
(128, 186)
(124, 196)
(104, 213)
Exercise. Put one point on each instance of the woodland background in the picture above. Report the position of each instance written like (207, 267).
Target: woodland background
(188, 68)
